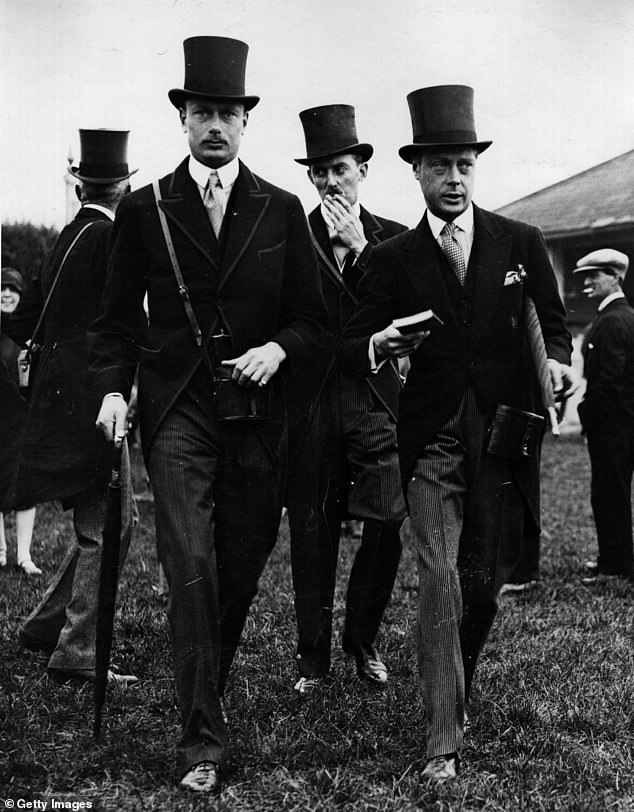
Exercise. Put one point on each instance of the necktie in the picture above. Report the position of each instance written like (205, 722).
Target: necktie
(339, 249)
(452, 250)
(211, 199)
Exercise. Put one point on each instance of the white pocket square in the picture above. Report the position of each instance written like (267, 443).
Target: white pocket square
(515, 277)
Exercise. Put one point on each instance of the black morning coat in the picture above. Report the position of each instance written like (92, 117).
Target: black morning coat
(264, 288)
(482, 340)
(63, 452)
(341, 300)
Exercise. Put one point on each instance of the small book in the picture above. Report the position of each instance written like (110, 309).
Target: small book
(416, 322)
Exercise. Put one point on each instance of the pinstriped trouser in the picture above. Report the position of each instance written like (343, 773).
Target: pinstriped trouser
(467, 516)
(217, 498)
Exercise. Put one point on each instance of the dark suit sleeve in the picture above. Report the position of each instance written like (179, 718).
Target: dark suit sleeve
(112, 339)
(541, 285)
(302, 309)
(376, 308)
(607, 371)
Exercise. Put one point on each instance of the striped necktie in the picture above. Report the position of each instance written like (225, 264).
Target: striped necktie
(452, 250)
(211, 199)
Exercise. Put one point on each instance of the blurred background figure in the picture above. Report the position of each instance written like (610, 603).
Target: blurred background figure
(607, 410)
(13, 415)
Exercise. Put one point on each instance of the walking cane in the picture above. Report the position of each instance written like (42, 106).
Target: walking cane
(109, 575)
(538, 353)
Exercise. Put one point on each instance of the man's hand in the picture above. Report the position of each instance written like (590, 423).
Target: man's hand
(391, 342)
(113, 417)
(345, 222)
(564, 379)
(256, 366)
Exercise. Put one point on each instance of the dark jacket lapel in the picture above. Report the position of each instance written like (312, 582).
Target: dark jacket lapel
(248, 205)
(420, 259)
(184, 208)
(489, 262)
(371, 227)
(323, 247)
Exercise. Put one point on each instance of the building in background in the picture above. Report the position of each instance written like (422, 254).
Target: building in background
(590, 210)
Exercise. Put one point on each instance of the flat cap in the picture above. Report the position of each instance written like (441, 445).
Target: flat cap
(607, 260)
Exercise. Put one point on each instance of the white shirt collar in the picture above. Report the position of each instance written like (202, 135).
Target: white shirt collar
(227, 173)
(103, 209)
(618, 294)
(356, 210)
(463, 221)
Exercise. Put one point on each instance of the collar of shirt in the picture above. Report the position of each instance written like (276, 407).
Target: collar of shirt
(103, 209)
(618, 294)
(356, 210)
(463, 233)
(227, 175)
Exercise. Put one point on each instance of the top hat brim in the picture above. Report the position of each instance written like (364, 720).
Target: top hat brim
(410, 151)
(178, 97)
(365, 151)
(76, 173)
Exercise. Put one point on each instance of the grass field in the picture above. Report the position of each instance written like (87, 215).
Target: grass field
(552, 716)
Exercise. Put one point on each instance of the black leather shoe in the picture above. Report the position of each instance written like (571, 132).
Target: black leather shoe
(202, 777)
(370, 667)
(34, 644)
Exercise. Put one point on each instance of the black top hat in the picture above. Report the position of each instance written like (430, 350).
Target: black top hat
(331, 130)
(104, 156)
(442, 117)
(214, 69)
(12, 279)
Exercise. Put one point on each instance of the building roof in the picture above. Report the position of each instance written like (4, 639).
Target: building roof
(600, 197)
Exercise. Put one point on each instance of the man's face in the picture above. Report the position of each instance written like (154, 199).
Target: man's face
(447, 178)
(340, 175)
(598, 284)
(214, 130)
(9, 299)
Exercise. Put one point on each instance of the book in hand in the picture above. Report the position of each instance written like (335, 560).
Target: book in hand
(416, 322)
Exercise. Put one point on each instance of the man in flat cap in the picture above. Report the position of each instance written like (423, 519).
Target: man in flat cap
(343, 454)
(62, 455)
(234, 300)
(468, 507)
(607, 410)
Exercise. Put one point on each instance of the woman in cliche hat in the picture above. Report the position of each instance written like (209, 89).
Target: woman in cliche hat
(14, 409)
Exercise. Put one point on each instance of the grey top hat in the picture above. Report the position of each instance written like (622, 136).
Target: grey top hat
(442, 117)
(608, 260)
(10, 278)
(103, 156)
(331, 130)
(214, 69)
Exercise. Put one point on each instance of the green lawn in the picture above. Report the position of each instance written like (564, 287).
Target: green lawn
(552, 716)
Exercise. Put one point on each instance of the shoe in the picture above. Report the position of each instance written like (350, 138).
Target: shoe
(516, 589)
(305, 686)
(202, 777)
(592, 566)
(66, 675)
(35, 644)
(3, 559)
(27, 567)
(370, 667)
(441, 768)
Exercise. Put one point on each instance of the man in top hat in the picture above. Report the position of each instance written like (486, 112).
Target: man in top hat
(220, 342)
(62, 455)
(467, 507)
(343, 455)
(607, 410)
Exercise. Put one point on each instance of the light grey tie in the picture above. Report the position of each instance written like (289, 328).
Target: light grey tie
(452, 249)
(211, 199)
